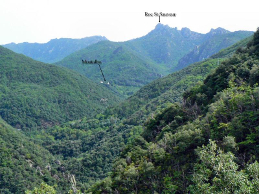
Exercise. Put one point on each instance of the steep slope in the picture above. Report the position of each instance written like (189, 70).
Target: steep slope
(35, 94)
(207, 144)
(169, 89)
(89, 146)
(217, 39)
(232, 49)
(55, 49)
(25, 165)
(166, 45)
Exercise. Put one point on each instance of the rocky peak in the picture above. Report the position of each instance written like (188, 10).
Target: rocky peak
(218, 31)
(186, 32)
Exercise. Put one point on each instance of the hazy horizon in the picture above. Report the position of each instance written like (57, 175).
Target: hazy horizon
(38, 21)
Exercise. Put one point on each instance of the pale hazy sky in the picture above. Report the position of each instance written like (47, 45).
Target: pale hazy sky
(118, 20)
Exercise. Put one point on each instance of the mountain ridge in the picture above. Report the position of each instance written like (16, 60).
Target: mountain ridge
(212, 44)
(147, 58)
(55, 49)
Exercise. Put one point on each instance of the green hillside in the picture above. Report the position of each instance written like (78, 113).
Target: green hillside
(192, 131)
(169, 89)
(207, 144)
(25, 165)
(232, 49)
(123, 68)
(34, 94)
(132, 64)
(89, 146)
(166, 45)
(211, 46)
(55, 49)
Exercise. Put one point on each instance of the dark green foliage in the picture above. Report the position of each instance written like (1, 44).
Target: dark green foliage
(256, 41)
(162, 156)
(162, 92)
(54, 50)
(24, 164)
(208, 144)
(90, 146)
(241, 68)
(171, 118)
(34, 94)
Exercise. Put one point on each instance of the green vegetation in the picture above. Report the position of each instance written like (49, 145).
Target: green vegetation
(166, 45)
(207, 144)
(89, 146)
(212, 45)
(122, 67)
(54, 50)
(34, 94)
(193, 131)
(162, 92)
(24, 164)
(44, 188)
(132, 64)
(227, 52)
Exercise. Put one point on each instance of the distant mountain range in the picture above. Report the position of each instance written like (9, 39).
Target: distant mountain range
(132, 64)
(55, 49)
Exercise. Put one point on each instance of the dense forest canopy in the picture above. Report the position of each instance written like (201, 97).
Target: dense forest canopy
(192, 131)
(207, 144)
(39, 95)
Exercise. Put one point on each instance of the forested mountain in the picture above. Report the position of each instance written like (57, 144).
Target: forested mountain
(132, 64)
(123, 68)
(178, 134)
(55, 49)
(34, 94)
(89, 146)
(166, 45)
(216, 40)
(207, 144)
(169, 89)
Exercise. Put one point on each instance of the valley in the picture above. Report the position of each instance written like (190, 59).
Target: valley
(180, 110)
(130, 65)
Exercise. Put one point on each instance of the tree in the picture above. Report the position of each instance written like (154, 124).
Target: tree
(43, 189)
(218, 173)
